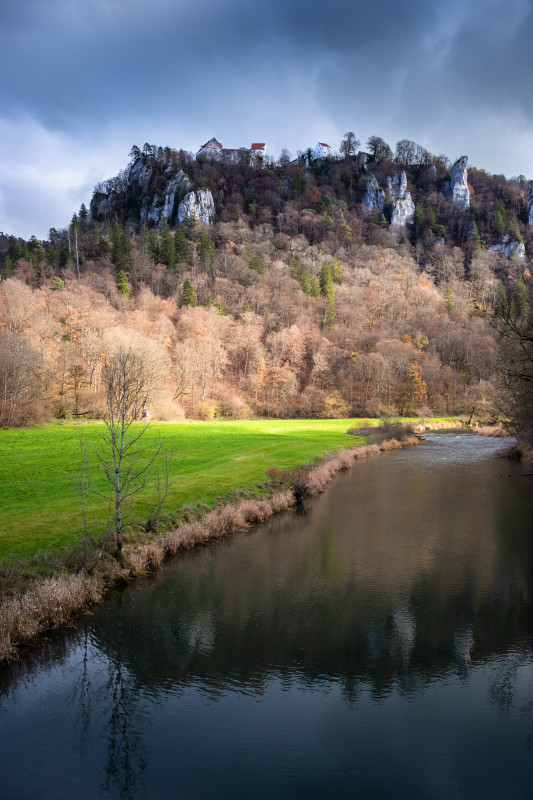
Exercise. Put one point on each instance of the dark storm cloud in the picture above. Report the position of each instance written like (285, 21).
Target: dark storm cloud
(88, 78)
(77, 59)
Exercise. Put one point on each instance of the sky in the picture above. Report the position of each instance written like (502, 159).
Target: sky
(84, 80)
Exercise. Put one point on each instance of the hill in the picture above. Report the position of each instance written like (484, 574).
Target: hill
(360, 284)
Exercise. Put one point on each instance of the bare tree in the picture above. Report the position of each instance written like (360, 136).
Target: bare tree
(129, 379)
(379, 149)
(349, 144)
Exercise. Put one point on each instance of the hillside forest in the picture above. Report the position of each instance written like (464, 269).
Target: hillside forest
(297, 301)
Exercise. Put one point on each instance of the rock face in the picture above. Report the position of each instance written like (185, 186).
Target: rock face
(198, 205)
(102, 207)
(403, 208)
(508, 248)
(374, 196)
(153, 189)
(459, 183)
(163, 206)
(530, 203)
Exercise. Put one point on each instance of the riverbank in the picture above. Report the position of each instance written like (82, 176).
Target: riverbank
(46, 603)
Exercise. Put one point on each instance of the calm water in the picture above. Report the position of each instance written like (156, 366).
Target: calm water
(377, 643)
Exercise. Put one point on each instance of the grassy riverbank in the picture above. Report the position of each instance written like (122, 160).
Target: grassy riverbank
(222, 463)
(209, 461)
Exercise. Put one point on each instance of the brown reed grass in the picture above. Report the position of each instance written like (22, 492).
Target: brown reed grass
(46, 605)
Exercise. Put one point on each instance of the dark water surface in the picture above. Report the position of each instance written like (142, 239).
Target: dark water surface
(376, 644)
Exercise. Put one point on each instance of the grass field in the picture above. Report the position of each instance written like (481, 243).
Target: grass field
(38, 508)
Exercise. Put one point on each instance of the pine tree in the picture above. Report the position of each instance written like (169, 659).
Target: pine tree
(206, 250)
(122, 283)
(167, 254)
(305, 280)
(326, 282)
(448, 299)
(336, 271)
(499, 221)
(520, 299)
(120, 245)
(188, 297)
(181, 245)
(418, 222)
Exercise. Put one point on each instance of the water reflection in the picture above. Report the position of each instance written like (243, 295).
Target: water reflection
(414, 571)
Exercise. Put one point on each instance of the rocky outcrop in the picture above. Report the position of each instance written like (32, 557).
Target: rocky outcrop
(152, 212)
(374, 198)
(508, 248)
(403, 208)
(530, 203)
(176, 187)
(459, 190)
(152, 190)
(102, 207)
(140, 172)
(164, 206)
(197, 205)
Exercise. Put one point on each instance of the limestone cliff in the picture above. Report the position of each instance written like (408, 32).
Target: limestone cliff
(459, 190)
(508, 248)
(530, 203)
(164, 206)
(374, 198)
(198, 205)
(403, 208)
(151, 190)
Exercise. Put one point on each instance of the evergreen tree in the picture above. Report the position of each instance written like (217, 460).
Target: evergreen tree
(121, 246)
(206, 250)
(418, 222)
(476, 237)
(448, 299)
(336, 271)
(215, 303)
(58, 285)
(167, 254)
(122, 283)
(517, 236)
(520, 299)
(188, 297)
(181, 245)
(326, 282)
(499, 218)
(256, 263)
(305, 280)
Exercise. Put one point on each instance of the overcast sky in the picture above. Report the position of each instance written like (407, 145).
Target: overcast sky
(84, 80)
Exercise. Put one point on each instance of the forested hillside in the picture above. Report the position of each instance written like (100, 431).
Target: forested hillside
(271, 289)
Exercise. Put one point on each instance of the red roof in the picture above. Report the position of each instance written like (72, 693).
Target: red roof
(258, 146)
(323, 144)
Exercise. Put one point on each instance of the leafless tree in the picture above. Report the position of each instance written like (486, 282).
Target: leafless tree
(129, 379)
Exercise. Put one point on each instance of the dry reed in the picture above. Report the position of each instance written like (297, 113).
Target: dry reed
(45, 605)
(491, 430)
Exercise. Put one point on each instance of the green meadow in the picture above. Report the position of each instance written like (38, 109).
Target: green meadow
(208, 461)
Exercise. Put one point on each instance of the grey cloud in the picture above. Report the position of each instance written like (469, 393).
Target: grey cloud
(176, 71)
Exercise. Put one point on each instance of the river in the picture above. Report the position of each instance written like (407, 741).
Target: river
(375, 643)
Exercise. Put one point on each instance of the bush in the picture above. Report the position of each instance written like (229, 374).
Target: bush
(388, 429)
